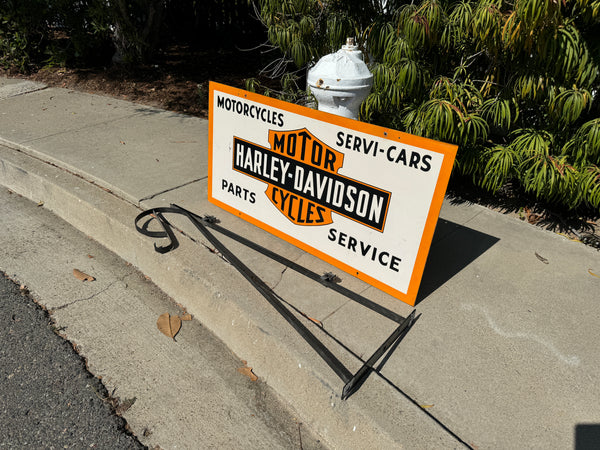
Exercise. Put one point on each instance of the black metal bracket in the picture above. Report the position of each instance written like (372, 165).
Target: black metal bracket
(352, 381)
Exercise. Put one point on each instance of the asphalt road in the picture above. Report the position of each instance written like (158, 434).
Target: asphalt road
(47, 397)
(190, 392)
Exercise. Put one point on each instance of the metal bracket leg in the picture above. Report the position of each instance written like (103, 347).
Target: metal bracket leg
(352, 382)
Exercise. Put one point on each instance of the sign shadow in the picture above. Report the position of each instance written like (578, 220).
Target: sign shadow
(453, 248)
(587, 436)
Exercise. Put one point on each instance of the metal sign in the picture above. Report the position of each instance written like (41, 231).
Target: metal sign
(363, 198)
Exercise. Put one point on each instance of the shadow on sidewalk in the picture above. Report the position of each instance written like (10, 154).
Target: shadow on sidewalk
(454, 247)
(587, 436)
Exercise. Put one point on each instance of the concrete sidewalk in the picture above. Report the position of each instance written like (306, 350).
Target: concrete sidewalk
(503, 354)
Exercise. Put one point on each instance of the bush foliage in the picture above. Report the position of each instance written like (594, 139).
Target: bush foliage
(54, 32)
(514, 84)
(92, 32)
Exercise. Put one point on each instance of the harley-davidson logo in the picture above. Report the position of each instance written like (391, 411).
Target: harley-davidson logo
(303, 180)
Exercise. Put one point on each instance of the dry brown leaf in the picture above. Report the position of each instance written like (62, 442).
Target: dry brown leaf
(40, 204)
(593, 274)
(427, 406)
(125, 405)
(248, 372)
(82, 276)
(186, 316)
(318, 322)
(169, 325)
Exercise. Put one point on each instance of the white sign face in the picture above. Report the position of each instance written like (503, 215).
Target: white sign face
(364, 198)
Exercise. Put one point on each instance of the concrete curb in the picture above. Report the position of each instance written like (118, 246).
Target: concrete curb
(19, 88)
(377, 416)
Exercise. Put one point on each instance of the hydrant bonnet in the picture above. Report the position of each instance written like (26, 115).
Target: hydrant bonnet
(341, 81)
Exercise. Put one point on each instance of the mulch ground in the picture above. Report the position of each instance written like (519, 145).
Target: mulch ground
(176, 81)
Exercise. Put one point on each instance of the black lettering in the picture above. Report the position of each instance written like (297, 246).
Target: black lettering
(352, 244)
(401, 156)
(284, 196)
(304, 135)
(389, 153)
(414, 160)
(301, 202)
(320, 211)
(329, 159)
(356, 146)
(310, 212)
(291, 144)
(425, 166)
(278, 143)
(331, 235)
(381, 261)
(220, 102)
(373, 253)
(317, 154)
(238, 191)
(348, 140)
(340, 139)
(246, 108)
(290, 204)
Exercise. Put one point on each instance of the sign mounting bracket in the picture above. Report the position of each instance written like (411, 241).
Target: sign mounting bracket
(352, 382)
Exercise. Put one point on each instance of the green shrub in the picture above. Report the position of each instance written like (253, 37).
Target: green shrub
(51, 32)
(514, 84)
(22, 31)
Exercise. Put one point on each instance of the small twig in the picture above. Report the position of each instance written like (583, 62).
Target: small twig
(300, 434)
(541, 258)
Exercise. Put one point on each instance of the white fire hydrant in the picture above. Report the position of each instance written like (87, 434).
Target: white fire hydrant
(341, 81)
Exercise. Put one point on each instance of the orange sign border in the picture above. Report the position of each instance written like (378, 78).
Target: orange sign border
(447, 150)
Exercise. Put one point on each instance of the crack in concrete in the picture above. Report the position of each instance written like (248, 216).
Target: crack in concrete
(280, 277)
(106, 288)
(152, 196)
(77, 130)
(84, 299)
(22, 88)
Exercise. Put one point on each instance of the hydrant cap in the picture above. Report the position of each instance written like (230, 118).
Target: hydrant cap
(343, 69)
